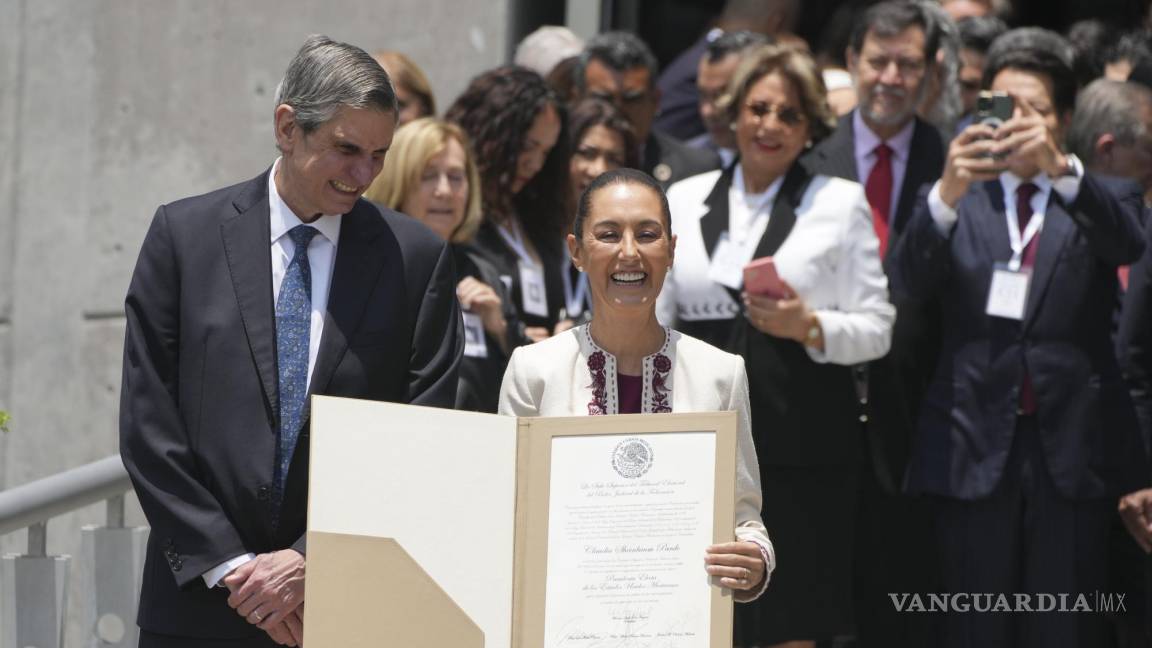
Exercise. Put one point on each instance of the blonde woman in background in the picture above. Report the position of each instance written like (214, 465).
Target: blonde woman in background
(430, 175)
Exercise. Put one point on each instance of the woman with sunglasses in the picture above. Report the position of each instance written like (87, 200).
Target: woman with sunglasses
(799, 331)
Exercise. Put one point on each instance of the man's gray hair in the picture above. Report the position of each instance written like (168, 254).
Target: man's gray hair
(1107, 107)
(326, 75)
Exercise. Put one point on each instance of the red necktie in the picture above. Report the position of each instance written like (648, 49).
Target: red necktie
(878, 190)
(1024, 194)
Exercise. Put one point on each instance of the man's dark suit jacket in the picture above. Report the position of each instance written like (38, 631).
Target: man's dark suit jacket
(897, 381)
(679, 99)
(199, 408)
(1084, 416)
(1134, 339)
(670, 160)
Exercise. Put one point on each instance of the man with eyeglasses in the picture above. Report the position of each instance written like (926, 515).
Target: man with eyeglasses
(883, 145)
(715, 70)
(620, 69)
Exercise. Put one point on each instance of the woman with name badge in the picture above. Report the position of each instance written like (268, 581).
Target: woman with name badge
(430, 175)
(602, 140)
(782, 267)
(624, 362)
(516, 125)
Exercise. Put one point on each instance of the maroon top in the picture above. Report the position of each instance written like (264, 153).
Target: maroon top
(631, 393)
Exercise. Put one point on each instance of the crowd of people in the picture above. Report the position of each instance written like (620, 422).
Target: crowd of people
(886, 392)
(949, 390)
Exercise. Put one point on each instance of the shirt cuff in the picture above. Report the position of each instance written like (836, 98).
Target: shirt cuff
(213, 576)
(1068, 186)
(769, 556)
(944, 216)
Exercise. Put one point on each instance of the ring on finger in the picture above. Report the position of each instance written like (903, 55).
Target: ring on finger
(257, 615)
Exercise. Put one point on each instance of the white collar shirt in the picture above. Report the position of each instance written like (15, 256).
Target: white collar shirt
(748, 212)
(321, 258)
(1010, 182)
(865, 142)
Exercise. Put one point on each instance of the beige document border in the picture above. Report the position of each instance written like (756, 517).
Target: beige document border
(534, 461)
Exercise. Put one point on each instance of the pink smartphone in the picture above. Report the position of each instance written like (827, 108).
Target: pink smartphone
(761, 278)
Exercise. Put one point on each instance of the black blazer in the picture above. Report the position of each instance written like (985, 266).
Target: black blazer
(896, 383)
(836, 156)
(668, 160)
(480, 378)
(490, 246)
(679, 114)
(199, 404)
(1084, 414)
(1134, 340)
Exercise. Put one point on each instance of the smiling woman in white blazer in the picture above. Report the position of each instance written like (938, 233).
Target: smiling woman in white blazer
(832, 312)
(624, 361)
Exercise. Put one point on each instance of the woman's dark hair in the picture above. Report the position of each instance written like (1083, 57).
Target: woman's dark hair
(497, 110)
(562, 79)
(597, 112)
(620, 176)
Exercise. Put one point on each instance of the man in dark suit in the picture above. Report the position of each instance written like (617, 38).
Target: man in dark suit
(886, 147)
(619, 68)
(1111, 133)
(244, 302)
(1027, 433)
(716, 69)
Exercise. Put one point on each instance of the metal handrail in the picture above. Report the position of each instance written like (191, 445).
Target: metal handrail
(36, 502)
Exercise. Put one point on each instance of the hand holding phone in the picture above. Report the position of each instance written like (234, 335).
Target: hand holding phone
(761, 278)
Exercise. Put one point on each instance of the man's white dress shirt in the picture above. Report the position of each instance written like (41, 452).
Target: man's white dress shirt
(322, 259)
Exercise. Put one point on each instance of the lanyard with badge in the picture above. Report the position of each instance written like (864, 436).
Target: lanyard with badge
(575, 293)
(475, 344)
(735, 249)
(532, 294)
(1008, 294)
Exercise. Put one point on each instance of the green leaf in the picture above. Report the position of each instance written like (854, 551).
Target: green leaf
(4, 417)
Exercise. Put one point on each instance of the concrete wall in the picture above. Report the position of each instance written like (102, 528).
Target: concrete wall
(109, 108)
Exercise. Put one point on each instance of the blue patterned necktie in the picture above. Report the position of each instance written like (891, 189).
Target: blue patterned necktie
(293, 334)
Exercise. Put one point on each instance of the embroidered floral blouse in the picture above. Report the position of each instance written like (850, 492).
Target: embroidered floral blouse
(606, 395)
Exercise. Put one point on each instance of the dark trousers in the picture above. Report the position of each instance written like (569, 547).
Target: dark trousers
(1130, 572)
(894, 553)
(153, 640)
(1024, 538)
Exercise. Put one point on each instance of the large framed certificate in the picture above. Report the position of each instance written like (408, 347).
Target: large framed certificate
(434, 527)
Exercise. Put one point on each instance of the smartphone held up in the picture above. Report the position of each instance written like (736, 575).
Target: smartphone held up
(994, 109)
